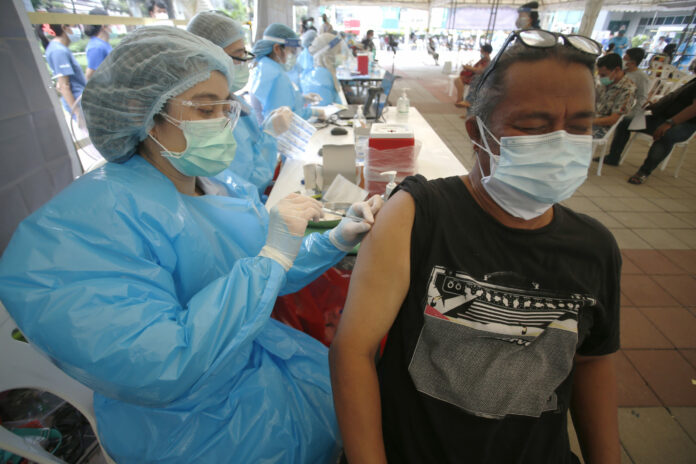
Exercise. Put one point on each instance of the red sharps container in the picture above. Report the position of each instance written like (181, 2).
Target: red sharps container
(391, 148)
(363, 63)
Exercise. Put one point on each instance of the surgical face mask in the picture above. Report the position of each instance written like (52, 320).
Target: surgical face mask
(210, 146)
(241, 75)
(309, 24)
(533, 172)
(605, 81)
(523, 22)
(74, 36)
(161, 16)
(290, 60)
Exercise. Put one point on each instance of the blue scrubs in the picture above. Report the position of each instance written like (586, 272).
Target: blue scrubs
(272, 87)
(97, 51)
(257, 152)
(320, 80)
(158, 302)
(63, 63)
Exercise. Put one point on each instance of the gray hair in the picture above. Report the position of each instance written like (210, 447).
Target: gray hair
(487, 98)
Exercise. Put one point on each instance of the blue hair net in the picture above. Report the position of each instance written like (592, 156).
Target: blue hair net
(276, 33)
(216, 27)
(308, 37)
(150, 65)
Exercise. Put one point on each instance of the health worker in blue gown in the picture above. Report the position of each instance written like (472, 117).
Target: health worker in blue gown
(276, 53)
(304, 59)
(327, 54)
(257, 152)
(152, 283)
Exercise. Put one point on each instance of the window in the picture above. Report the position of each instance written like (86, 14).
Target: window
(660, 21)
(669, 20)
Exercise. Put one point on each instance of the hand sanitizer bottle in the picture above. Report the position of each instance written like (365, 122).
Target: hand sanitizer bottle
(391, 185)
(403, 104)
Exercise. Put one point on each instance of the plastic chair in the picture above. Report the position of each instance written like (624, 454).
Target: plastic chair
(22, 366)
(647, 137)
(600, 145)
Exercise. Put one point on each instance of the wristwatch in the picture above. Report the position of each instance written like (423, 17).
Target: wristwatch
(670, 121)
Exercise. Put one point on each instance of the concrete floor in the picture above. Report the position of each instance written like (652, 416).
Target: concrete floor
(655, 227)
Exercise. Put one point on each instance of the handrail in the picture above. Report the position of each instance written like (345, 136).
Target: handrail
(40, 17)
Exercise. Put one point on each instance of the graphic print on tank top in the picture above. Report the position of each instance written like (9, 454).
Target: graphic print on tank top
(495, 346)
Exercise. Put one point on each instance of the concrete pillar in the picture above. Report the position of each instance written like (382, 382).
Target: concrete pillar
(267, 12)
(592, 9)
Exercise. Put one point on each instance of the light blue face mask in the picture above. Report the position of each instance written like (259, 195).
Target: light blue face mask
(74, 36)
(533, 172)
(241, 76)
(605, 81)
(210, 146)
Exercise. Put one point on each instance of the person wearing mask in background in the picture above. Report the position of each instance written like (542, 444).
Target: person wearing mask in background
(152, 283)
(305, 60)
(326, 27)
(327, 54)
(367, 43)
(528, 16)
(469, 72)
(98, 47)
(672, 120)
(620, 42)
(157, 9)
(257, 152)
(275, 54)
(501, 305)
(615, 94)
(307, 24)
(70, 80)
(631, 59)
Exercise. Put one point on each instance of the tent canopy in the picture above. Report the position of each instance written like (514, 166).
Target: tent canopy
(614, 5)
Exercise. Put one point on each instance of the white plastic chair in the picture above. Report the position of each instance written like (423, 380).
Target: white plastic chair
(599, 146)
(677, 146)
(22, 366)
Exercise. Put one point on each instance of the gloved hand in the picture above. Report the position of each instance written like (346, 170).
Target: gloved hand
(278, 121)
(319, 113)
(286, 228)
(349, 232)
(312, 98)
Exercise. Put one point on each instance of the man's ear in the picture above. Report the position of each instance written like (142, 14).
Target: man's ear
(473, 131)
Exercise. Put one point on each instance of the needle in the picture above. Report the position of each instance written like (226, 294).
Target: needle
(338, 213)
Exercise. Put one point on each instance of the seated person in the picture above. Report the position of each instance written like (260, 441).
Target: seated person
(631, 59)
(152, 283)
(432, 49)
(321, 79)
(469, 72)
(500, 304)
(270, 86)
(673, 120)
(615, 94)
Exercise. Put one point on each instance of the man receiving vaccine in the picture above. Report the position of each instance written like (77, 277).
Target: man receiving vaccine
(500, 305)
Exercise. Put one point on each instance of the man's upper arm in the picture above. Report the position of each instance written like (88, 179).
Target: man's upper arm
(380, 280)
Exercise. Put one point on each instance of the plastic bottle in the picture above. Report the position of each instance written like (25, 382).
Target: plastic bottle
(361, 141)
(391, 185)
(403, 103)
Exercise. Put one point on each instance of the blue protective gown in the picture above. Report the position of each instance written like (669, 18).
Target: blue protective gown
(159, 302)
(257, 152)
(320, 80)
(305, 63)
(272, 87)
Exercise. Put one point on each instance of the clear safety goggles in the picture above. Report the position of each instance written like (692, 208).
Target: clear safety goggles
(247, 56)
(229, 109)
